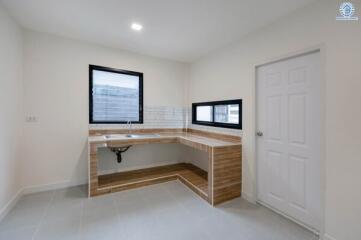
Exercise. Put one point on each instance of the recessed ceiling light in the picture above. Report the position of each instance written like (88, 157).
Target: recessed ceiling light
(136, 26)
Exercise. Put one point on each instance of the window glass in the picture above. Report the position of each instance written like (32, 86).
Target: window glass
(115, 97)
(205, 113)
(226, 113)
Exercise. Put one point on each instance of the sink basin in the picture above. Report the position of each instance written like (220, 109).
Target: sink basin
(117, 136)
(141, 135)
(114, 136)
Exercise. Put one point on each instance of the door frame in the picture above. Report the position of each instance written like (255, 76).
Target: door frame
(321, 49)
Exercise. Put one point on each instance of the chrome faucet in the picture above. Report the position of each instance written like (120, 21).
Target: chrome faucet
(129, 126)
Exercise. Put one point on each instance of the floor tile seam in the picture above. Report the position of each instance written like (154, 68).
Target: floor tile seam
(80, 229)
(42, 219)
(117, 207)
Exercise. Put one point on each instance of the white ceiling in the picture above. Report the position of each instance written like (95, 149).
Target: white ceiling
(183, 30)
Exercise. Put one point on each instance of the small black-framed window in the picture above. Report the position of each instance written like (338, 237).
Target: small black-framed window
(226, 114)
(115, 96)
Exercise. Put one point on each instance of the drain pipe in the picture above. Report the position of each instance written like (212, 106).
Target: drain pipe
(118, 151)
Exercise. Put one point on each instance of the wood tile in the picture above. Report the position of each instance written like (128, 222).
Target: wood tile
(220, 136)
(227, 173)
(221, 183)
(192, 176)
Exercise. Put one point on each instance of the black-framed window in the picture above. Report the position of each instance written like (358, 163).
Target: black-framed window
(227, 114)
(115, 95)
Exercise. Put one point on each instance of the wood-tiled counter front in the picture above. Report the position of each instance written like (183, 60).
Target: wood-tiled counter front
(222, 182)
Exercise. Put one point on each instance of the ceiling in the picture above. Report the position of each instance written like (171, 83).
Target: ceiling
(182, 30)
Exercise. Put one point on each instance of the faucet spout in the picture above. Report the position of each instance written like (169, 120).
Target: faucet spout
(129, 125)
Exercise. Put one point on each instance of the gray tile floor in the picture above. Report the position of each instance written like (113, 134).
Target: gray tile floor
(164, 211)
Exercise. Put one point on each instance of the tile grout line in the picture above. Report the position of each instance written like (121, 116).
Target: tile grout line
(43, 217)
(116, 204)
(116, 208)
(279, 225)
(181, 204)
(80, 229)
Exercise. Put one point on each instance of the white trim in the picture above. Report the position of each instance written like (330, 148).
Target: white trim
(139, 181)
(36, 189)
(249, 197)
(52, 186)
(196, 187)
(314, 231)
(10, 205)
(285, 58)
(178, 177)
(328, 237)
(305, 51)
(211, 166)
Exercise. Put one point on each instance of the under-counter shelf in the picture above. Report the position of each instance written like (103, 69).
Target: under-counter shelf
(194, 177)
(222, 182)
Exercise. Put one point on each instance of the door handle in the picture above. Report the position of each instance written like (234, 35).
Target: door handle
(259, 134)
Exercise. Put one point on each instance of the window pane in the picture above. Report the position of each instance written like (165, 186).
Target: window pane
(115, 97)
(205, 113)
(227, 113)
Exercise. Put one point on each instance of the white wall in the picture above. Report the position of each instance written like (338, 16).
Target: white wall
(141, 156)
(230, 73)
(11, 94)
(56, 92)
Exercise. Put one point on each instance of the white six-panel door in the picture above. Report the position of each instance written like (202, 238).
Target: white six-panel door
(288, 137)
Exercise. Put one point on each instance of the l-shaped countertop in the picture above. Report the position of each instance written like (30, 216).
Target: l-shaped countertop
(197, 139)
(222, 182)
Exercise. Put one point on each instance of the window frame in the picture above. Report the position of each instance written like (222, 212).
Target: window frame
(213, 123)
(114, 70)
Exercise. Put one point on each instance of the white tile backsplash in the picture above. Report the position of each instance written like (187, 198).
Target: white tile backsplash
(229, 131)
(154, 117)
(168, 117)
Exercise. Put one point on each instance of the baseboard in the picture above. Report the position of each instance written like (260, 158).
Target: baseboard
(311, 229)
(36, 189)
(52, 186)
(249, 197)
(7, 208)
(328, 237)
(66, 184)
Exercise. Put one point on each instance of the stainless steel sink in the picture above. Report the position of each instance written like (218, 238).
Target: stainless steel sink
(119, 136)
(114, 136)
(142, 135)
